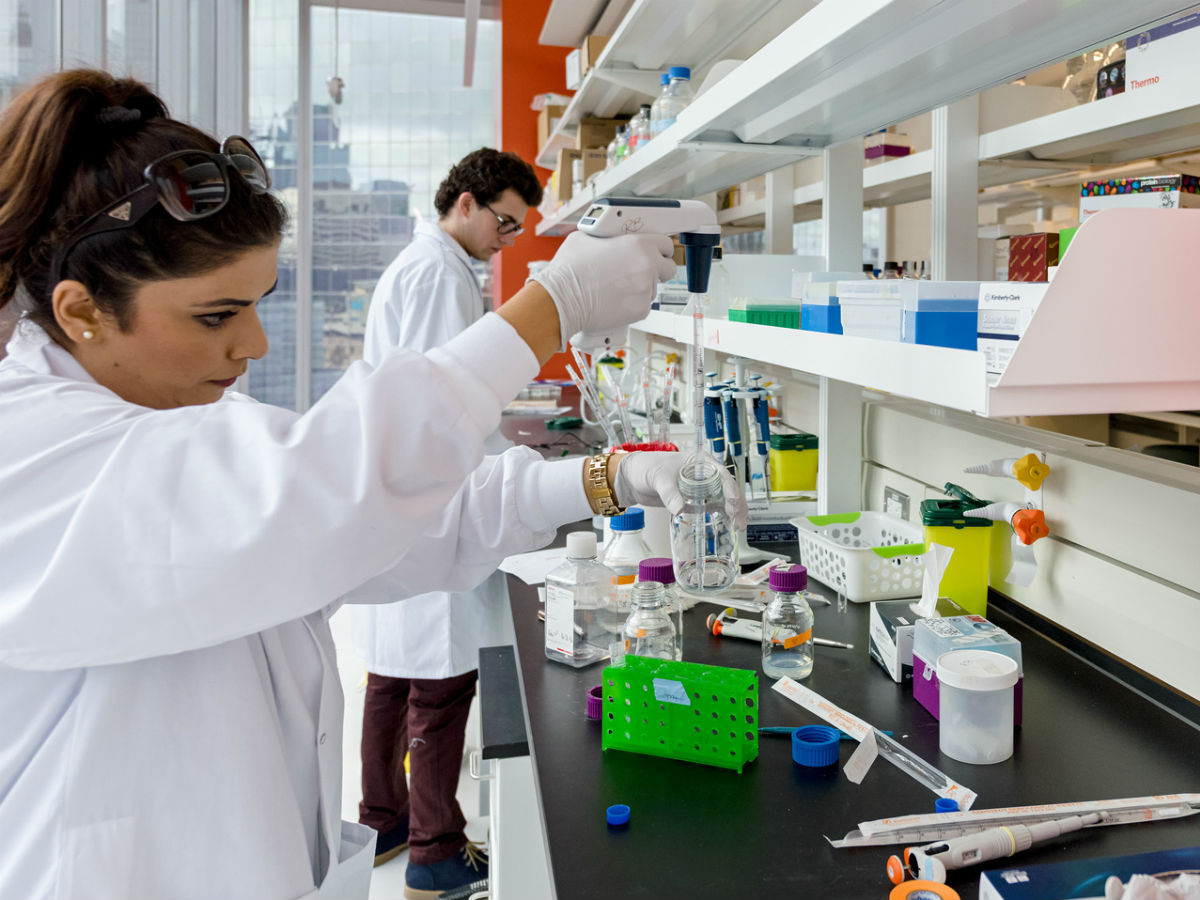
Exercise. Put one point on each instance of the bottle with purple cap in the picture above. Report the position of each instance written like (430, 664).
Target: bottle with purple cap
(648, 630)
(787, 646)
(661, 569)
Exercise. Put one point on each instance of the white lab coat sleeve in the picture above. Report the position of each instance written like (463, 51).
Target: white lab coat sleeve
(512, 503)
(179, 529)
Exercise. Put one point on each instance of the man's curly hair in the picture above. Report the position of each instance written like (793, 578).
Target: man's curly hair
(486, 174)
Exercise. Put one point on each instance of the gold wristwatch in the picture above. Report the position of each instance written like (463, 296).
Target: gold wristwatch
(601, 496)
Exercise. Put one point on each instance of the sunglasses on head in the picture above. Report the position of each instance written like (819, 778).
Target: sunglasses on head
(190, 184)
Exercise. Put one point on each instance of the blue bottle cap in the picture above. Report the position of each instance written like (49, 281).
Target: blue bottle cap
(617, 814)
(945, 804)
(679, 72)
(664, 78)
(815, 746)
(630, 520)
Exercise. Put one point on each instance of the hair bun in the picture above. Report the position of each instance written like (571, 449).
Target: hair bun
(113, 114)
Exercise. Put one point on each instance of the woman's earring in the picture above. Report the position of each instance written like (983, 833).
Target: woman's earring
(88, 335)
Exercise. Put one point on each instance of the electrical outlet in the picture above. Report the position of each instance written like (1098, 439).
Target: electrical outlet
(895, 503)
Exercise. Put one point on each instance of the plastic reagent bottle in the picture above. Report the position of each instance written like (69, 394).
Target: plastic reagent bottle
(576, 591)
(662, 570)
(656, 107)
(787, 647)
(648, 630)
(624, 553)
(709, 563)
(613, 147)
(622, 142)
(677, 97)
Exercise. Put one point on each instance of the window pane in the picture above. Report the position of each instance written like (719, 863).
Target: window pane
(274, 60)
(130, 39)
(379, 155)
(27, 44)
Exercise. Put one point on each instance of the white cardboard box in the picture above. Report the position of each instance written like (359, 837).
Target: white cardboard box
(1167, 55)
(1005, 310)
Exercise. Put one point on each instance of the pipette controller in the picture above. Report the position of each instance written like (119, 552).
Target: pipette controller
(694, 222)
(932, 861)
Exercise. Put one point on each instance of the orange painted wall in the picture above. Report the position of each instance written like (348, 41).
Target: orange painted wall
(528, 68)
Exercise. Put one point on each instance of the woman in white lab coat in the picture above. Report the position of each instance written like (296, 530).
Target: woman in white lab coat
(169, 697)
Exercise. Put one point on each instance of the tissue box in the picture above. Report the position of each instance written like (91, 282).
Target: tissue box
(890, 641)
(933, 637)
(1064, 879)
(1005, 309)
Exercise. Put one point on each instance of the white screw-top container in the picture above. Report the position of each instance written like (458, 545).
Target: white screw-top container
(976, 702)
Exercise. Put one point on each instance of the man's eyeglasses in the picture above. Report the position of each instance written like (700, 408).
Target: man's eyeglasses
(190, 184)
(508, 225)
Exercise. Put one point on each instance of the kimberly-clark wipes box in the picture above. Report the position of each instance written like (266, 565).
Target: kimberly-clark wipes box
(1005, 310)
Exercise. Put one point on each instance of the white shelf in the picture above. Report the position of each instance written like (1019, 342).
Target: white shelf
(1114, 331)
(654, 35)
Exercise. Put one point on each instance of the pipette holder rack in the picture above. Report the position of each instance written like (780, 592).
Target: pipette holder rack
(681, 710)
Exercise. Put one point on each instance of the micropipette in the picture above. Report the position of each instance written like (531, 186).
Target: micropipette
(725, 624)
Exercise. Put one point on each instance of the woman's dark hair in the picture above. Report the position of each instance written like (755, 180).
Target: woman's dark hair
(64, 155)
(486, 174)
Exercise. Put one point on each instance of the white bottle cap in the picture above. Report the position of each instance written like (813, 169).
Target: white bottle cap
(976, 670)
(581, 544)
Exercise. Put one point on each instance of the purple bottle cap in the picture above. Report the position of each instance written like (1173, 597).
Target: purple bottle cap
(789, 579)
(595, 702)
(658, 569)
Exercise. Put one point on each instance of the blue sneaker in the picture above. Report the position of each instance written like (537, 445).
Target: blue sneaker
(390, 844)
(465, 869)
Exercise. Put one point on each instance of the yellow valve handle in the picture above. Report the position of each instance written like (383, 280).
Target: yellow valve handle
(1030, 471)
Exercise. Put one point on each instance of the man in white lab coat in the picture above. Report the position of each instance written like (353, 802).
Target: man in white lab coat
(421, 655)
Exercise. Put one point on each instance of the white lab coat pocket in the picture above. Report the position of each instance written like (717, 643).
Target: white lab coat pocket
(97, 860)
(350, 877)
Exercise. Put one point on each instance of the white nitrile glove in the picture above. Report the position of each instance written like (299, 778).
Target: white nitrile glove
(604, 284)
(648, 478)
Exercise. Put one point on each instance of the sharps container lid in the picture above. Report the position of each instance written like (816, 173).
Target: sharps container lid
(657, 568)
(788, 579)
(976, 670)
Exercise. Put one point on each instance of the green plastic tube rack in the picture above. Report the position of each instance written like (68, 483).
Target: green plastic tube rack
(681, 710)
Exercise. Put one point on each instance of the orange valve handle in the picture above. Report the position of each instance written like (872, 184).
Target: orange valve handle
(1029, 525)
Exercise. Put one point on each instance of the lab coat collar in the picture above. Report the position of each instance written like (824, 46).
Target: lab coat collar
(34, 349)
(432, 230)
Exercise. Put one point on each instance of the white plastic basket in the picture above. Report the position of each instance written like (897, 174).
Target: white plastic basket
(865, 555)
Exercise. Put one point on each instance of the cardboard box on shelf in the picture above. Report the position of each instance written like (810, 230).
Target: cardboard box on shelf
(574, 76)
(596, 133)
(589, 51)
(885, 145)
(1164, 56)
(548, 120)
(1153, 192)
(593, 161)
(1031, 255)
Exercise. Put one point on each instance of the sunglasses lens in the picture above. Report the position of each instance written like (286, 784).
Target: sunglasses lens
(190, 185)
(248, 163)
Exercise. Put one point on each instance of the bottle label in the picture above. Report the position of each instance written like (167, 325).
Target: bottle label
(560, 620)
(625, 579)
(795, 640)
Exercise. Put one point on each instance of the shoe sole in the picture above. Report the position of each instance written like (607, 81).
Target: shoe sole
(417, 894)
(389, 855)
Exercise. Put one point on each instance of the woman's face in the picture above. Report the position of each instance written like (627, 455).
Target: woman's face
(189, 338)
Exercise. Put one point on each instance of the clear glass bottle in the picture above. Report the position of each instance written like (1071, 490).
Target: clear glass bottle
(661, 570)
(576, 593)
(639, 128)
(648, 631)
(678, 95)
(891, 269)
(611, 150)
(703, 543)
(664, 82)
(622, 142)
(787, 625)
(625, 551)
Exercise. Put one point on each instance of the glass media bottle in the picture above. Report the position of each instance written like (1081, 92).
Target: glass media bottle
(576, 593)
(625, 551)
(703, 543)
(648, 630)
(661, 570)
(787, 623)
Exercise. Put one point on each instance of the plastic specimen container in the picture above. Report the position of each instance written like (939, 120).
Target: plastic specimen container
(976, 724)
